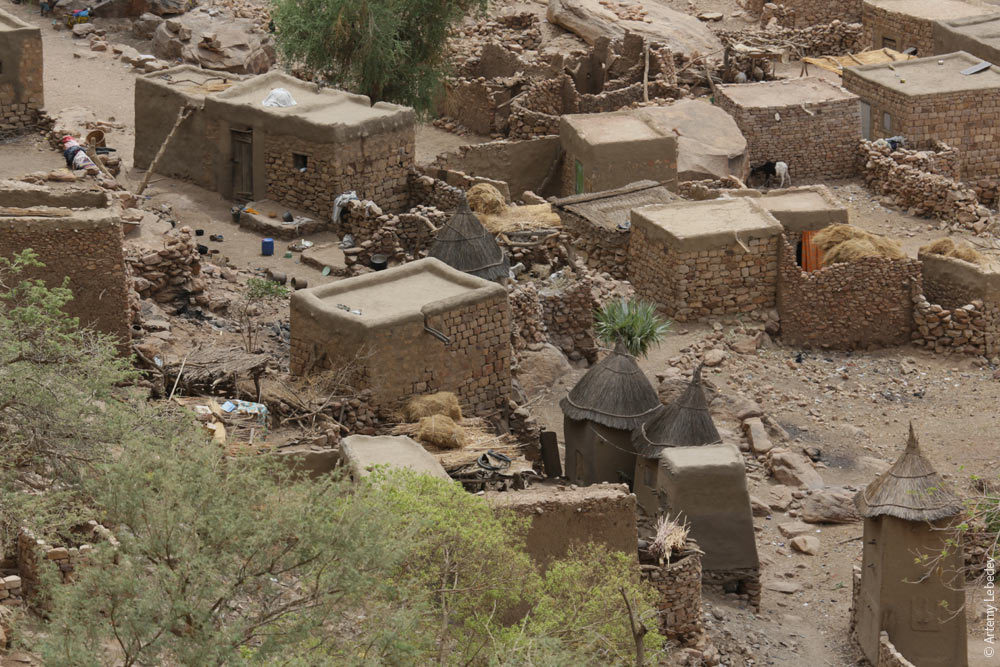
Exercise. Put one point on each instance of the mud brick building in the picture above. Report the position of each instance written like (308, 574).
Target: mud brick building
(84, 244)
(301, 156)
(706, 258)
(978, 35)
(959, 310)
(21, 92)
(419, 328)
(810, 124)
(902, 24)
(928, 100)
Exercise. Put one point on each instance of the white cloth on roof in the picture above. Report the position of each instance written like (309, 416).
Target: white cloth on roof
(279, 97)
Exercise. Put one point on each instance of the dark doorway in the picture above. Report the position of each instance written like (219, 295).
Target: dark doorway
(242, 165)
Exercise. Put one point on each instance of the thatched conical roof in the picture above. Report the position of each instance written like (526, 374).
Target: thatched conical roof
(911, 489)
(614, 392)
(464, 244)
(686, 422)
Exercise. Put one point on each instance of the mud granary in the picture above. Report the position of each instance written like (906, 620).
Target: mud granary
(302, 156)
(21, 88)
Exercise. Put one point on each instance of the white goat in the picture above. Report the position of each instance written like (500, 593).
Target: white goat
(781, 171)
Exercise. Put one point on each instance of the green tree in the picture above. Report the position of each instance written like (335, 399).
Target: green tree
(636, 324)
(389, 50)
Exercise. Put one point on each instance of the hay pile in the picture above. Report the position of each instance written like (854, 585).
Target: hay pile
(948, 248)
(442, 403)
(484, 198)
(478, 439)
(441, 431)
(522, 219)
(847, 243)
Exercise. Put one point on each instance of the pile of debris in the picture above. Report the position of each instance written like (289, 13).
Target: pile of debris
(834, 38)
(911, 180)
(169, 273)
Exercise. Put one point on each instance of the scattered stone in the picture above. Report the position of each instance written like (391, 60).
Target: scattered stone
(714, 357)
(807, 544)
(83, 29)
(832, 504)
(787, 587)
(793, 469)
(779, 497)
(794, 529)
(759, 507)
(754, 429)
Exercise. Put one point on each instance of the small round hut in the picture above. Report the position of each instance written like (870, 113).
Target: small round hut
(685, 422)
(463, 243)
(907, 511)
(599, 415)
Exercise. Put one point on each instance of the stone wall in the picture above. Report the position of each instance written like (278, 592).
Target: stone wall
(398, 362)
(959, 309)
(86, 248)
(705, 283)
(834, 38)
(744, 584)
(679, 605)
(32, 553)
(905, 30)
(804, 13)
(168, 273)
(527, 317)
(817, 141)
(848, 305)
(923, 183)
(606, 250)
(376, 167)
(21, 79)
(964, 120)
(523, 165)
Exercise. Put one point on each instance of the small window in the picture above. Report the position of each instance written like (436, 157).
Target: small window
(888, 43)
(649, 478)
(300, 161)
(886, 121)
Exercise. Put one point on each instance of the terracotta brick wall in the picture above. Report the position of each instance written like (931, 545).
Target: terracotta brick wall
(707, 283)
(376, 168)
(818, 142)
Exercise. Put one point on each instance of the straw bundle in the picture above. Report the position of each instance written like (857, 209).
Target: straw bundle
(522, 219)
(441, 431)
(484, 198)
(441, 403)
(846, 243)
(479, 438)
(911, 489)
(948, 248)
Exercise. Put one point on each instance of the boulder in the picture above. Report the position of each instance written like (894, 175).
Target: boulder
(759, 507)
(794, 529)
(793, 469)
(592, 20)
(787, 587)
(807, 544)
(832, 504)
(779, 497)
(539, 369)
(713, 357)
(83, 29)
(710, 144)
(673, 383)
(232, 45)
(735, 406)
(146, 25)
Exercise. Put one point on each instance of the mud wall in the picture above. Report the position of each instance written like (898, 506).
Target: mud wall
(523, 165)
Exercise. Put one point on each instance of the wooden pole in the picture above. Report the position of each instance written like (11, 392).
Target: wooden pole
(181, 116)
(645, 72)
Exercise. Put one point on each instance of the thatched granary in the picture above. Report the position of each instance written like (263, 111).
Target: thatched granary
(686, 422)
(906, 511)
(465, 244)
(600, 413)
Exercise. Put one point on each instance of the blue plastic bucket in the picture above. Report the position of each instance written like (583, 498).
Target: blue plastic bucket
(267, 247)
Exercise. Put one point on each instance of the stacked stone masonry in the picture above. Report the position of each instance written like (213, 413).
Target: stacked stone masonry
(834, 38)
(804, 13)
(965, 120)
(21, 78)
(376, 167)
(605, 250)
(701, 284)
(888, 656)
(959, 308)
(89, 253)
(170, 272)
(848, 305)
(923, 183)
(816, 140)
(679, 604)
(744, 583)
(896, 30)
(33, 553)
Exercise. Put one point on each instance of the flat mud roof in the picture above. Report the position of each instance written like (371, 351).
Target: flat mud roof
(931, 75)
(704, 225)
(785, 92)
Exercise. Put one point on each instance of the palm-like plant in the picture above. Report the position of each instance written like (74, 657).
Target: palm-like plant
(634, 323)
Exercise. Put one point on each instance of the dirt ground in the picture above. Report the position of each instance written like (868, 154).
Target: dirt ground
(848, 405)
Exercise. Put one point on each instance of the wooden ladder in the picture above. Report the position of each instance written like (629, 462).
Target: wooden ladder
(181, 117)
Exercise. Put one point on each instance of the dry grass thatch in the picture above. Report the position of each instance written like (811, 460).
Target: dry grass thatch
(948, 248)
(847, 243)
(671, 537)
(479, 438)
(614, 392)
(522, 219)
(464, 244)
(441, 403)
(686, 422)
(440, 431)
(911, 489)
(484, 198)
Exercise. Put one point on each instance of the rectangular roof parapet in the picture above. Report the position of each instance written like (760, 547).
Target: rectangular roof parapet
(785, 92)
(806, 208)
(704, 225)
(930, 76)
(934, 10)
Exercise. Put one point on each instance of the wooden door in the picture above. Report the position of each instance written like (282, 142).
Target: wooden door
(812, 257)
(242, 147)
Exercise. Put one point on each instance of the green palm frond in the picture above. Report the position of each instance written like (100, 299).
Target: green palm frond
(636, 324)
